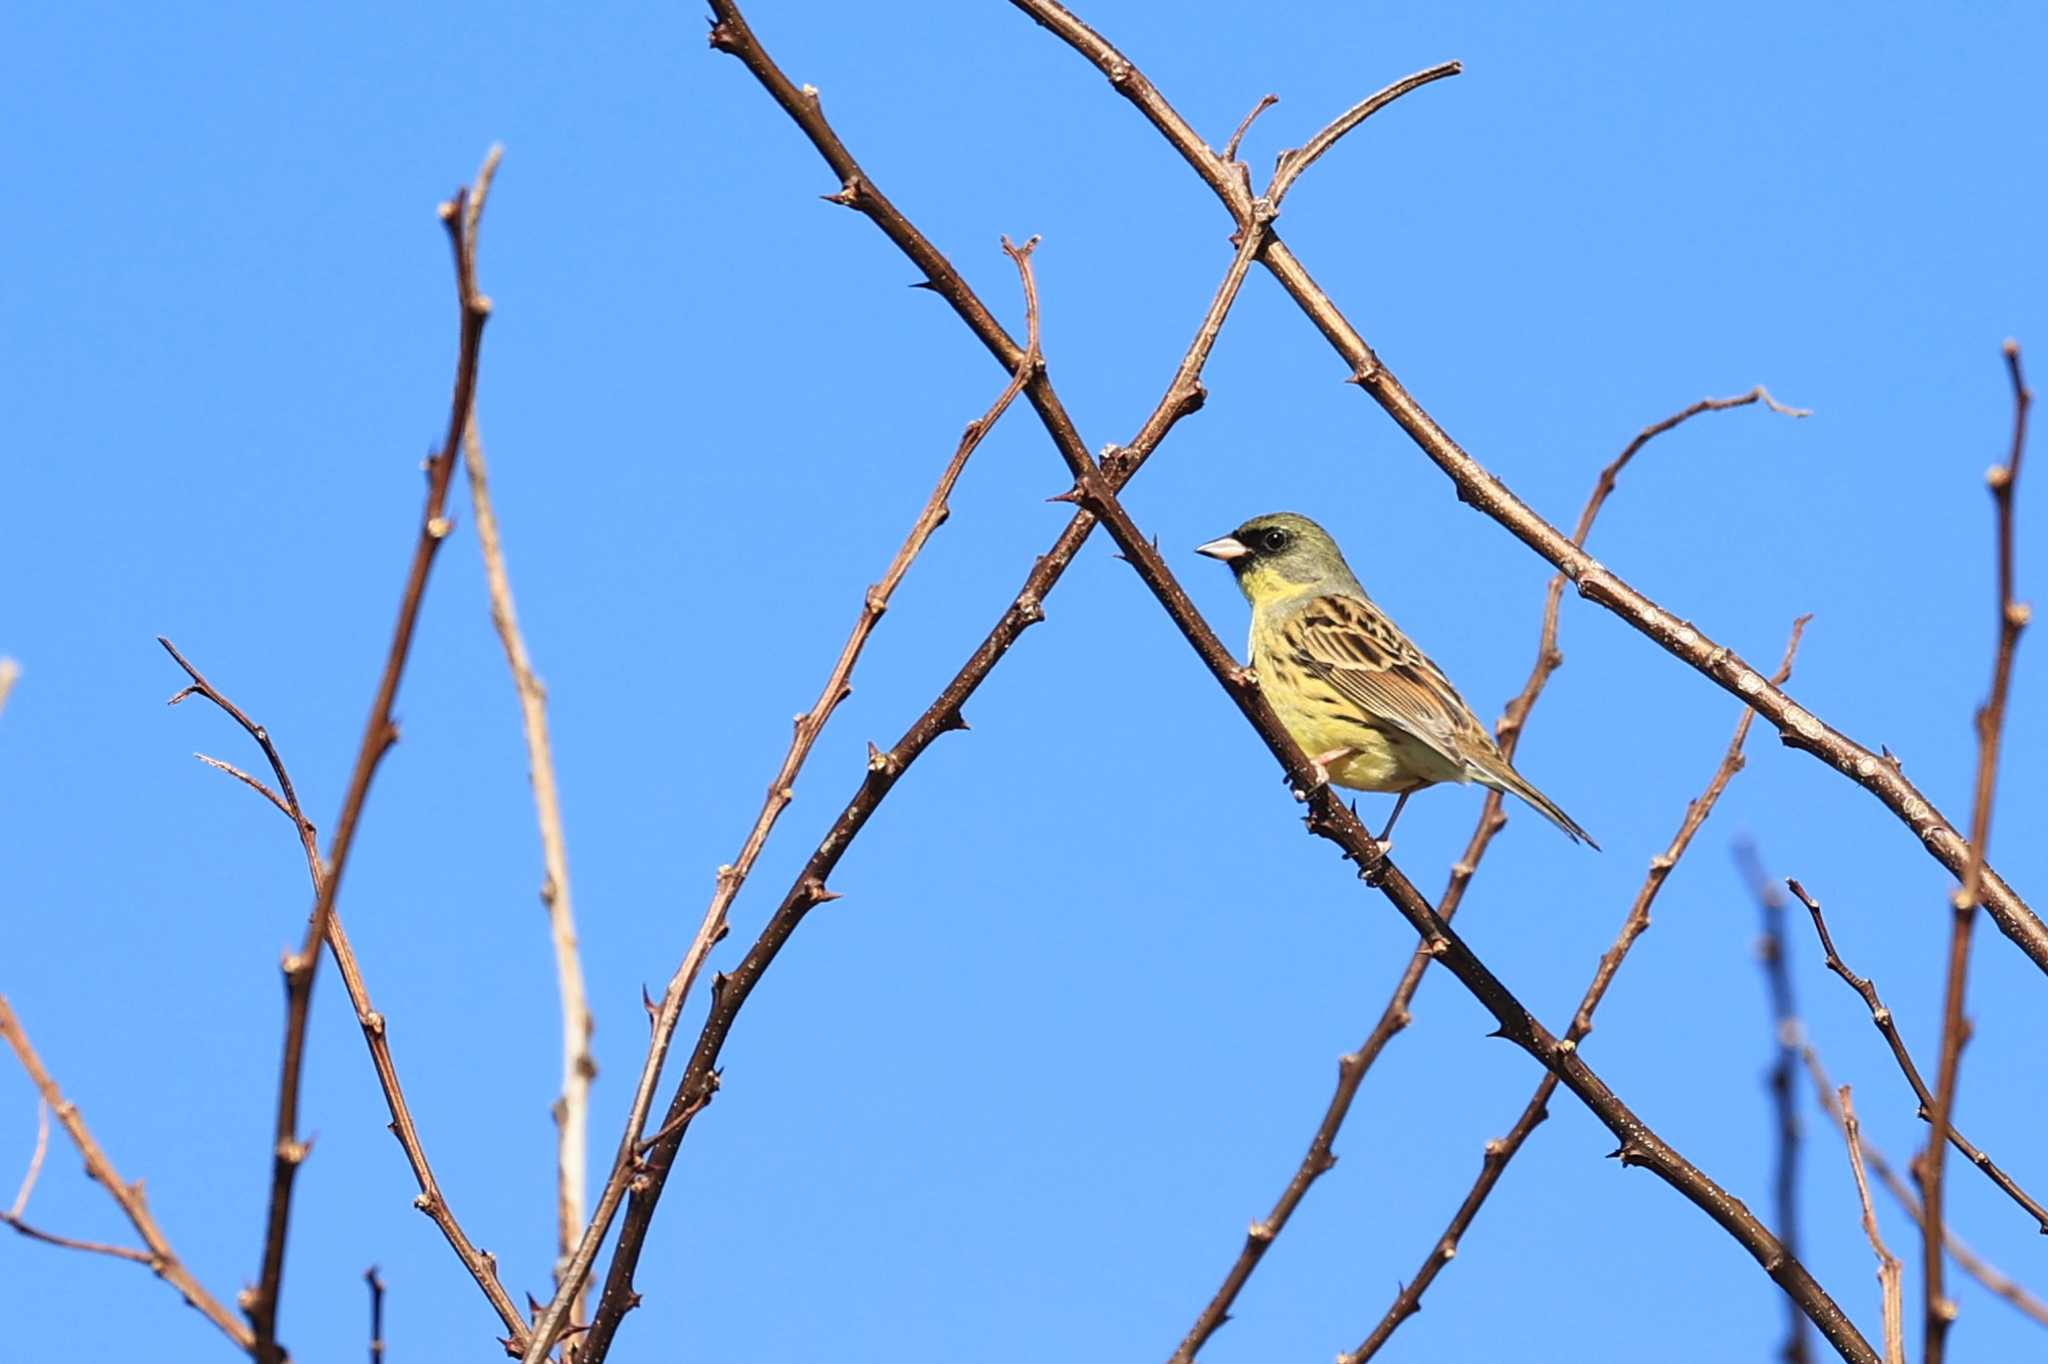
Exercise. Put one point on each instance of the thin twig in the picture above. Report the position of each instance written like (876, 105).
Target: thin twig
(161, 1259)
(579, 1067)
(376, 1283)
(1955, 1029)
(1319, 1158)
(1330, 818)
(1230, 148)
(35, 1160)
(1773, 952)
(430, 1200)
(1888, 1275)
(1503, 1150)
(1895, 1184)
(1797, 727)
(1298, 159)
(252, 783)
(1888, 1028)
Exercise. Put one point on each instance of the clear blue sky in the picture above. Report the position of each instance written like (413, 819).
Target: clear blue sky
(1017, 1095)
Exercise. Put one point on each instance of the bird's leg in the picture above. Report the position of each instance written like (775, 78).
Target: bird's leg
(1386, 838)
(1321, 763)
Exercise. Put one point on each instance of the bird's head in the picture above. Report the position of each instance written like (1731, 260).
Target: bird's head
(1280, 555)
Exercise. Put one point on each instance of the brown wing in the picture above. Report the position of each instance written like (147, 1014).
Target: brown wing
(1348, 643)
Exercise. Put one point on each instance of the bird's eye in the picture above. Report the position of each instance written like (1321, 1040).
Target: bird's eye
(1273, 541)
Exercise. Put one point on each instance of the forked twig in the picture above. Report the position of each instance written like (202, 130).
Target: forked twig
(368, 1018)
(1888, 1028)
(161, 1259)
(1503, 1150)
(2012, 618)
(1319, 1158)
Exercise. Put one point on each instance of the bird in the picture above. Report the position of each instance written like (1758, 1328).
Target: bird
(1368, 706)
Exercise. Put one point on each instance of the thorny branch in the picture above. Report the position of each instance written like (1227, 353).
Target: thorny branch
(161, 1259)
(579, 1067)
(1797, 727)
(1319, 1158)
(1967, 1259)
(2012, 618)
(1888, 1277)
(430, 1200)
(1184, 395)
(1502, 1150)
(1772, 952)
(1888, 1028)
(781, 790)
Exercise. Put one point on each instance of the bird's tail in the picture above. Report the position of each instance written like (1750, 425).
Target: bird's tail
(1493, 771)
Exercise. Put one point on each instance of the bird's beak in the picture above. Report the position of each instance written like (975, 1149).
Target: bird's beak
(1226, 549)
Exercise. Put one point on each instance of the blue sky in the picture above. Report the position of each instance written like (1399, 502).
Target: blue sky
(1016, 1096)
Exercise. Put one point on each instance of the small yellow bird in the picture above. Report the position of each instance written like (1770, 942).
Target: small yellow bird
(1370, 709)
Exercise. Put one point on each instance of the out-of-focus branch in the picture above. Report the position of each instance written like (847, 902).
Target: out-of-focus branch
(1797, 726)
(1353, 1065)
(430, 1201)
(1928, 1166)
(1502, 1150)
(1959, 1250)
(1888, 1275)
(1330, 818)
(1772, 953)
(10, 673)
(1888, 1028)
(161, 1259)
(579, 1067)
(14, 1216)
(376, 1285)
(1184, 395)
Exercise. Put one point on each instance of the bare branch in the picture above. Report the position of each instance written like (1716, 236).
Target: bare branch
(1967, 1259)
(1888, 1276)
(579, 1067)
(1502, 1150)
(1353, 1065)
(1184, 395)
(2012, 618)
(161, 1259)
(1772, 953)
(1887, 1027)
(1797, 726)
(430, 1201)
